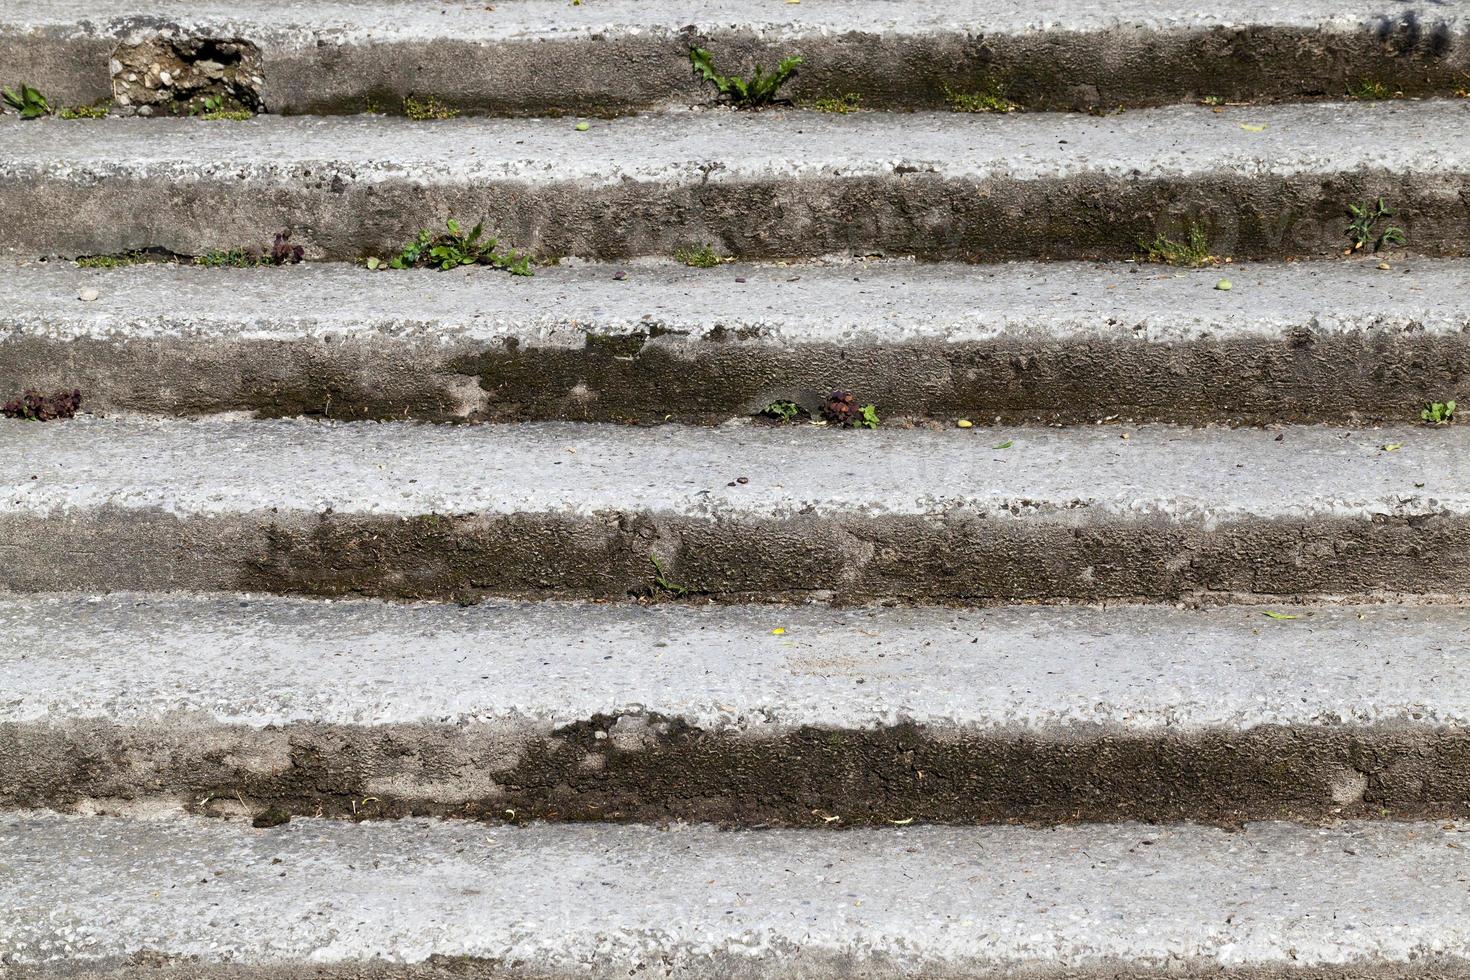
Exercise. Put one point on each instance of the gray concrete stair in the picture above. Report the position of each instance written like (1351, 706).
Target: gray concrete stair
(544, 56)
(188, 898)
(1267, 182)
(1336, 341)
(744, 512)
(244, 706)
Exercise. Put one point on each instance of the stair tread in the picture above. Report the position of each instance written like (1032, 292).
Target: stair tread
(691, 901)
(259, 660)
(224, 465)
(800, 303)
(721, 146)
(554, 19)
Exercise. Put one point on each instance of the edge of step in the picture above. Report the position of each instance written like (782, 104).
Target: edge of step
(544, 510)
(1260, 182)
(526, 57)
(258, 707)
(1326, 341)
(446, 899)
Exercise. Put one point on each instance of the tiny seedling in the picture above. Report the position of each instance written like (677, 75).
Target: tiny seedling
(35, 407)
(760, 89)
(233, 258)
(453, 249)
(662, 581)
(1362, 231)
(118, 260)
(990, 97)
(1439, 413)
(782, 411)
(98, 111)
(839, 104)
(1370, 90)
(1193, 253)
(427, 108)
(28, 101)
(212, 108)
(841, 408)
(698, 257)
(1212, 100)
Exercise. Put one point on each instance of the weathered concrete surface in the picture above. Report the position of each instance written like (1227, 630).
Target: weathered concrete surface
(781, 184)
(1302, 342)
(544, 56)
(317, 898)
(510, 711)
(558, 509)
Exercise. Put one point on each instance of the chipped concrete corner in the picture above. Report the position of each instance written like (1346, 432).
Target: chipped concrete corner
(171, 73)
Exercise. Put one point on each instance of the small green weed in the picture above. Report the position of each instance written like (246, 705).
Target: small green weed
(1192, 254)
(990, 97)
(1439, 413)
(1212, 100)
(212, 108)
(760, 89)
(839, 104)
(452, 249)
(234, 258)
(1362, 230)
(661, 580)
(117, 260)
(1370, 90)
(98, 111)
(427, 108)
(782, 411)
(841, 408)
(698, 257)
(28, 101)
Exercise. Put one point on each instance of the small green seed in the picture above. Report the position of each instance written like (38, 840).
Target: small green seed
(583, 127)
(1224, 284)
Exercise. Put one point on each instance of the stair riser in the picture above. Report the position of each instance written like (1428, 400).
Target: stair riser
(655, 769)
(977, 220)
(624, 72)
(941, 558)
(1297, 377)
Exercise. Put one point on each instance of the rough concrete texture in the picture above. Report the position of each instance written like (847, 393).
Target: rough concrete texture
(559, 509)
(319, 898)
(247, 704)
(545, 56)
(1265, 182)
(1303, 342)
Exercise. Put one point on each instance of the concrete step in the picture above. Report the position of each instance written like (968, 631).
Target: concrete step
(546, 56)
(757, 512)
(1259, 182)
(192, 898)
(1304, 342)
(747, 715)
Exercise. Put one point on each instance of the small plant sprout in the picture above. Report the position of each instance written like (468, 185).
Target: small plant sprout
(841, 408)
(1193, 253)
(453, 249)
(427, 108)
(35, 407)
(98, 111)
(1363, 230)
(989, 97)
(1438, 413)
(782, 411)
(1370, 90)
(27, 100)
(838, 104)
(212, 108)
(697, 256)
(661, 579)
(760, 89)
